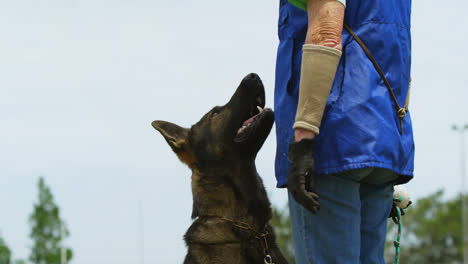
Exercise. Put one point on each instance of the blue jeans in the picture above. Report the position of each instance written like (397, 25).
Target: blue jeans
(352, 222)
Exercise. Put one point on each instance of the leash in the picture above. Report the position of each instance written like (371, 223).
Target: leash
(262, 236)
(397, 220)
(401, 111)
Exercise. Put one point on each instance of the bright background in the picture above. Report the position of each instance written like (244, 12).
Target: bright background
(81, 81)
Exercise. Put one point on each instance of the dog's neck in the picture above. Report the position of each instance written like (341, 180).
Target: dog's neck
(236, 193)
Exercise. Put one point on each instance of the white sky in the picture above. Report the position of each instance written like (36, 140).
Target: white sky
(81, 81)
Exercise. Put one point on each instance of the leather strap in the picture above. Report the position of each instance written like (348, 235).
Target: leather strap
(408, 95)
(401, 111)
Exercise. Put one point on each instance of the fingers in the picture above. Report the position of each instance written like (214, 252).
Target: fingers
(308, 200)
(394, 214)
(402, 212)
(409, 203)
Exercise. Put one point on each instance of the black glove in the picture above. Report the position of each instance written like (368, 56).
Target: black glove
(301, 175)
(394, 213)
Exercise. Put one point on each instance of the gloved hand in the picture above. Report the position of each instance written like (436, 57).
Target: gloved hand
(401, 200)
(394, 213)
(301, 182)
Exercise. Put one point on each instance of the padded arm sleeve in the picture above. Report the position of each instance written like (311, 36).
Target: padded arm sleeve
(319, 64)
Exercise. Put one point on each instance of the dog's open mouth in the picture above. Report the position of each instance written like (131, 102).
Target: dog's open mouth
(250, 125)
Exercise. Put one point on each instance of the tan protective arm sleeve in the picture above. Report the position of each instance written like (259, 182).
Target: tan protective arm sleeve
(319, 64)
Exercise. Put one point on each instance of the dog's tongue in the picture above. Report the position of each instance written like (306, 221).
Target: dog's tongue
(250, 120)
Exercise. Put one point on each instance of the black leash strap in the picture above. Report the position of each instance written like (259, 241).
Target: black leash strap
(401, 111)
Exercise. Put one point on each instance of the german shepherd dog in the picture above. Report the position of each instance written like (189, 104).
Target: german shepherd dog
(230, 206)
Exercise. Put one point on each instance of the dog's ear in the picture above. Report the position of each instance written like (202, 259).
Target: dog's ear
(177, 138)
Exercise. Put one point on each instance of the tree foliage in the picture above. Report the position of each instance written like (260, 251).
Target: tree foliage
(431, 232)
(281, 222)
(5, 253)
(46, 229)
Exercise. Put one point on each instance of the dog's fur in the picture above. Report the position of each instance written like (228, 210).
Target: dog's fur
(228, 194)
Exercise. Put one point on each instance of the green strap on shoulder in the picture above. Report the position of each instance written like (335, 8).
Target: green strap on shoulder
(302, 4)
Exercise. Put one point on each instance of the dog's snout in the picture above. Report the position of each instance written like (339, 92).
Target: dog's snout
(252, 77)
(252, 82)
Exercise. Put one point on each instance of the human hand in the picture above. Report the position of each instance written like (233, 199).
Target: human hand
(300, 134)
(394, 212)
(301, 182)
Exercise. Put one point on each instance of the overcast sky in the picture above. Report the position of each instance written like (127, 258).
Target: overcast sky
(81, 81)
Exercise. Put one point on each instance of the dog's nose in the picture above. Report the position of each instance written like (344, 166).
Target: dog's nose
(252, 76)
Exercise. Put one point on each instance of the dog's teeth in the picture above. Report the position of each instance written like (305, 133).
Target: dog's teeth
(241, 129)
(259, 109)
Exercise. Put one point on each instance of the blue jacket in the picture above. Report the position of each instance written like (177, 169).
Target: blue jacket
(360, 127)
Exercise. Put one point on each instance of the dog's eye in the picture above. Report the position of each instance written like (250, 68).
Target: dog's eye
(215, 111)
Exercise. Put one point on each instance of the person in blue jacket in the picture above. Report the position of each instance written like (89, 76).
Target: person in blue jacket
(343, 139)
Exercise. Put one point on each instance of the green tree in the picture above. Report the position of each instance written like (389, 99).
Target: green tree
(46, 229)
(431, 232)
(281, 222)
(5, 253)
